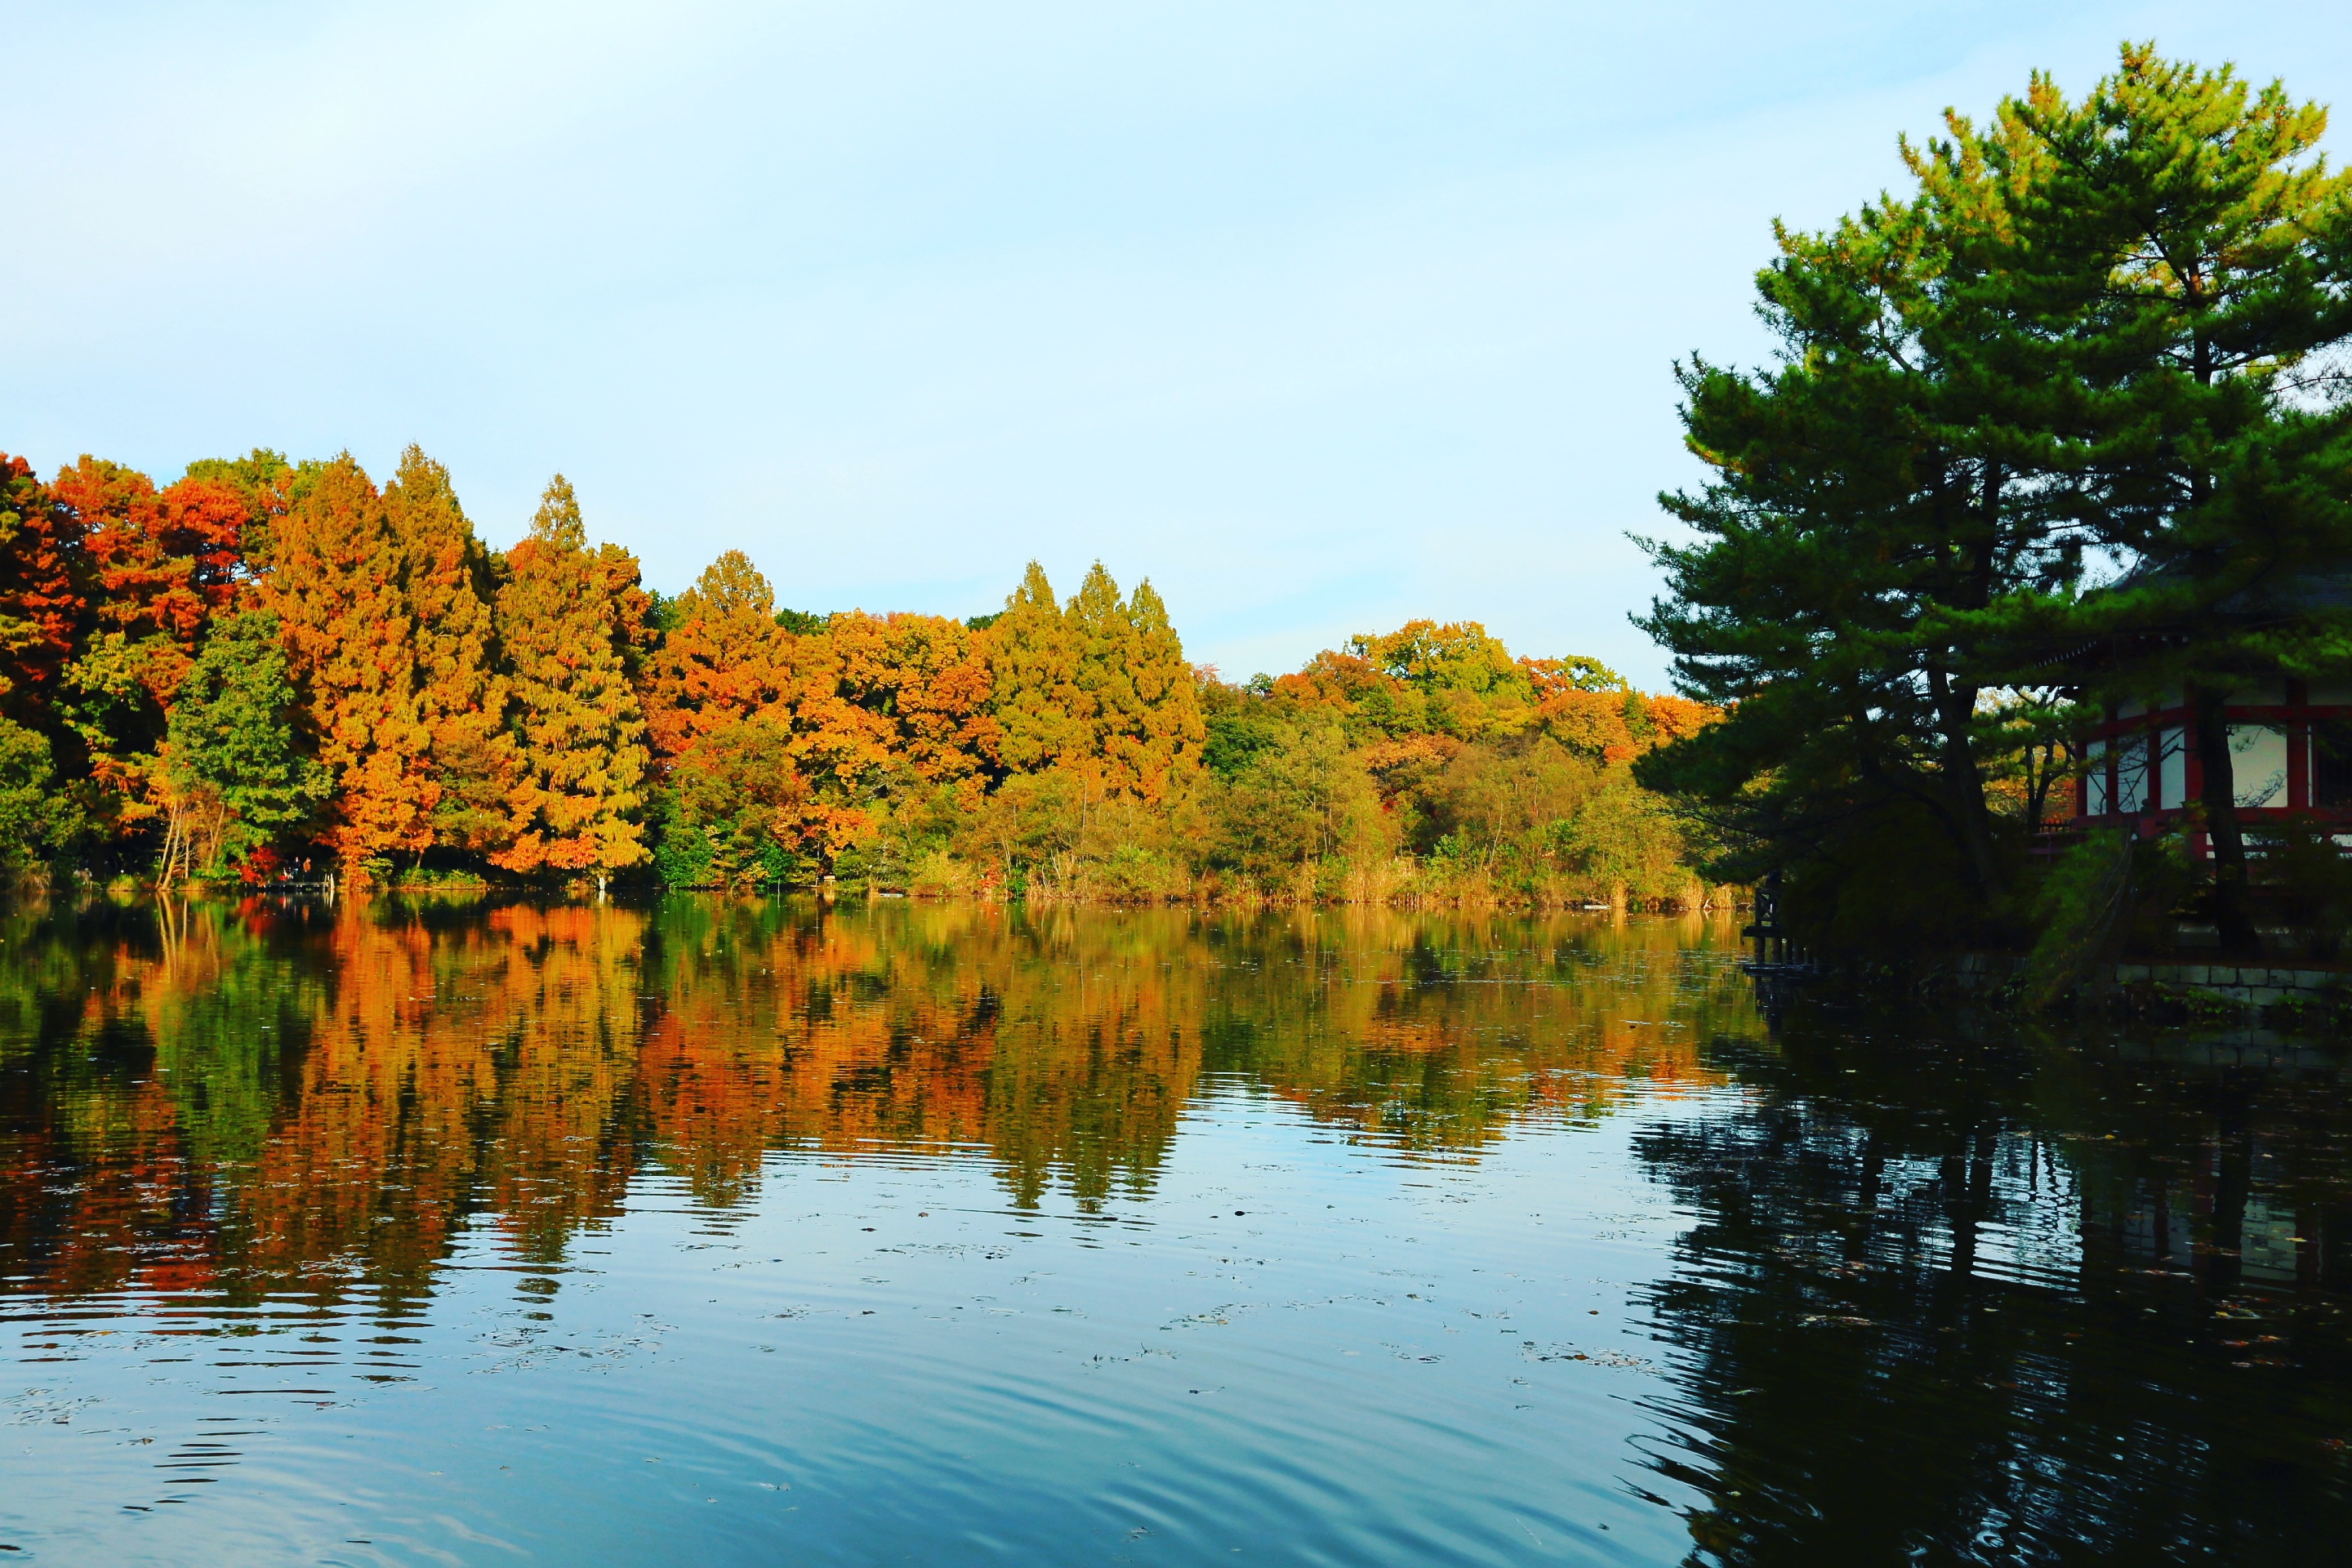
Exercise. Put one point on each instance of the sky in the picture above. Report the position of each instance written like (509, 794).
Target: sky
(1321, 317)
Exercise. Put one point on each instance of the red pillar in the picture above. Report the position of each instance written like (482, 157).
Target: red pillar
(2298, 746)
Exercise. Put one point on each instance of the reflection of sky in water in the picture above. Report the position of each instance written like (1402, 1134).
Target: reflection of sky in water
(723, 1231)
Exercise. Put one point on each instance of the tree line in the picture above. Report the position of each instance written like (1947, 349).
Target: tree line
(2062, 423)
(265, 666)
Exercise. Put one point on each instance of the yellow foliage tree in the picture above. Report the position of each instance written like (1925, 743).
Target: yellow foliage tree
(1043, 716)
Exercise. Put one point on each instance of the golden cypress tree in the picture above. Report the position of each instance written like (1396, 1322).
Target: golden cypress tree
(448, 583)
(563, 624)
(725, 657)
(335, 585)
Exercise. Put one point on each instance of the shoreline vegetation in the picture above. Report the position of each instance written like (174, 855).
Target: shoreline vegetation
(271, 674)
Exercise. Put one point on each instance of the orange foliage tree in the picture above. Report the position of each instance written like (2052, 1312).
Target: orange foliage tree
(334, 583)
(460, 695)
(41, 601)
(565, 625)
(156, 567)
(540, 712)
(714, 700)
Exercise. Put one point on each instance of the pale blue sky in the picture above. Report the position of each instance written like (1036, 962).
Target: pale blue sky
(1321, 316)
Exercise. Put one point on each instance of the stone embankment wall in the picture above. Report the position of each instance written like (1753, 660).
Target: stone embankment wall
(2208, 986)
(2249, 985)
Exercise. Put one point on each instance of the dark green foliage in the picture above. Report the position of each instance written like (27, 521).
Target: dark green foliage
(1235, 735)
(2307, 877)
(39, 820)
(662, 613)
(1297, 801)
(681, 850)
(1865, 528)
(2081, 337)
(1883, 884)
(2215, 253)
(233, 743)
(2081, 904)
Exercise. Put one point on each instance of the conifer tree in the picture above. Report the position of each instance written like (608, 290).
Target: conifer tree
(711, 695)
(1158, 753)
(1105, 640)
(335, 585)
(448, 583)
(2085, 331)
(621, 582)
(574, 720)
(1877, 519)
(1043, 715)
(2214, 249)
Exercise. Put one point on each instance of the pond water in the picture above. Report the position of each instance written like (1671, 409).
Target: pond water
(714, 1232)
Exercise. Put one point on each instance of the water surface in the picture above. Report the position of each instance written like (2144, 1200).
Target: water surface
(715, 1231)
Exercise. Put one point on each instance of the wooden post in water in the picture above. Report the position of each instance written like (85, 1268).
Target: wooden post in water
(1766, 928)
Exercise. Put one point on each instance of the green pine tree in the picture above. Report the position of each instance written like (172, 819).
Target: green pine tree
(2218, 248)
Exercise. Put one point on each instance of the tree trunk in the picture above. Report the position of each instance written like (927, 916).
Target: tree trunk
(1963, 787)
(171, 847)
(2218, 792)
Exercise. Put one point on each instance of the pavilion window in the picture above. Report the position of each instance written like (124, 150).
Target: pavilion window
(2331, 764)
(2258, 765)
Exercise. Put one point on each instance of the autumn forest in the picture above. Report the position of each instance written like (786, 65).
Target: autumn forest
(267, 669)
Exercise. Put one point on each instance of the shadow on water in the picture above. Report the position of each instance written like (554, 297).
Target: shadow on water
(1958, 1291)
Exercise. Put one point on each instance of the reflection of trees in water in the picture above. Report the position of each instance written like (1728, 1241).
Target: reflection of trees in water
(1437, 1032)
(277, 1099)
(1923, 1315)
(287, 1102)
